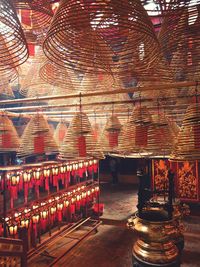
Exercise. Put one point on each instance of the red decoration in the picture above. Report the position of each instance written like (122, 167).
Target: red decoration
(26, 17)
(6, 140)
(39, 144)
(61, 134)
(141, 135)
(31, 49)
(82, 146)
(113, 138)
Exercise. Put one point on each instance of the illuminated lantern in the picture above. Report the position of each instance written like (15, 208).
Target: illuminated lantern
(12, 229)
(27, 177)
(80, 164)
(60, 208)
(46, 173)
(36, 174)
(35, 218)
(44, 214)
(66, 203)
(55, 170)
(43, 219)
(25, 223)
(14, 178)
(53, 210)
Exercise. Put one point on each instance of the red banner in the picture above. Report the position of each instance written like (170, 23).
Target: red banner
(39, 144)
(113, 139)
(141, 135)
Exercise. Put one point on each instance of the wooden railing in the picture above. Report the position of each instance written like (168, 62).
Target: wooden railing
(12, 253)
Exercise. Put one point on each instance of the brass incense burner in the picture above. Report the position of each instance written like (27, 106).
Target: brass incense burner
(154, 246)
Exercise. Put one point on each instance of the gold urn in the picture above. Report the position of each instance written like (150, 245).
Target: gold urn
(154, 246)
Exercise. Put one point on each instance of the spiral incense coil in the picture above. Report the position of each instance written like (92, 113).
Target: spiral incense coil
(187, 146)
(64, 78)
(160, 137)
(109, 138)
(112, 35)
(60, 132)
(179, 37)
(141, 115)
(37, 138)
(12, 40)
(79, 142)
(33, 85)
(9, 140)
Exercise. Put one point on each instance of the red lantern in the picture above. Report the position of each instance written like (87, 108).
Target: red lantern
(27, 177)
(36, 174)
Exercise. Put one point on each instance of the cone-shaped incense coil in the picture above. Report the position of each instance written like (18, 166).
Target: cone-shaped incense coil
(60, 132)
(79, 141)
(97, 82)
(161, 138)
(13, 47)
(89, 36)
(180, 39)
(37, 138)
(64, 78)
(9, 140)
(188, 141)
(109, 138)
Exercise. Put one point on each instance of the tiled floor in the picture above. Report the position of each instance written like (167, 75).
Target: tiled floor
(112, 245)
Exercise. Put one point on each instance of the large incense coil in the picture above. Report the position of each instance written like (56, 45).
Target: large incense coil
(35, 22)
(60, 132)
(9, 140)
(12, 40)
(80, 130)
(37, 138)
(84, 36)
(187, 146)
(64, 78)
(179, 38)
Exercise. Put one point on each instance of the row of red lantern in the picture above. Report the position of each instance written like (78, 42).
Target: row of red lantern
(43, 177)
(53, 209)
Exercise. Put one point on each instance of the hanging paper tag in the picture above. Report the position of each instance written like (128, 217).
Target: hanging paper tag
(141, 135)
(61, 135)
(26, 17)
(82, 146)
(31, 49)
(113, 139)
(6, 140)
(39, 144)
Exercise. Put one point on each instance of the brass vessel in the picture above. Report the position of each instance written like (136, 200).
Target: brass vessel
(155, 246)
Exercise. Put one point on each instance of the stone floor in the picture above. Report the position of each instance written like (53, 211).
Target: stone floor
(112, 245)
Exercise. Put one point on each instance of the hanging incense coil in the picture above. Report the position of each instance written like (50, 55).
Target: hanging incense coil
(60, 132)
(33, 85)
(187, 146)
(109, 138)
(79, 141)
(111, 35)
(53, 74)
(12, 40)
(179, 38)
(161, 138)
(9, 140)
(37, 138)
